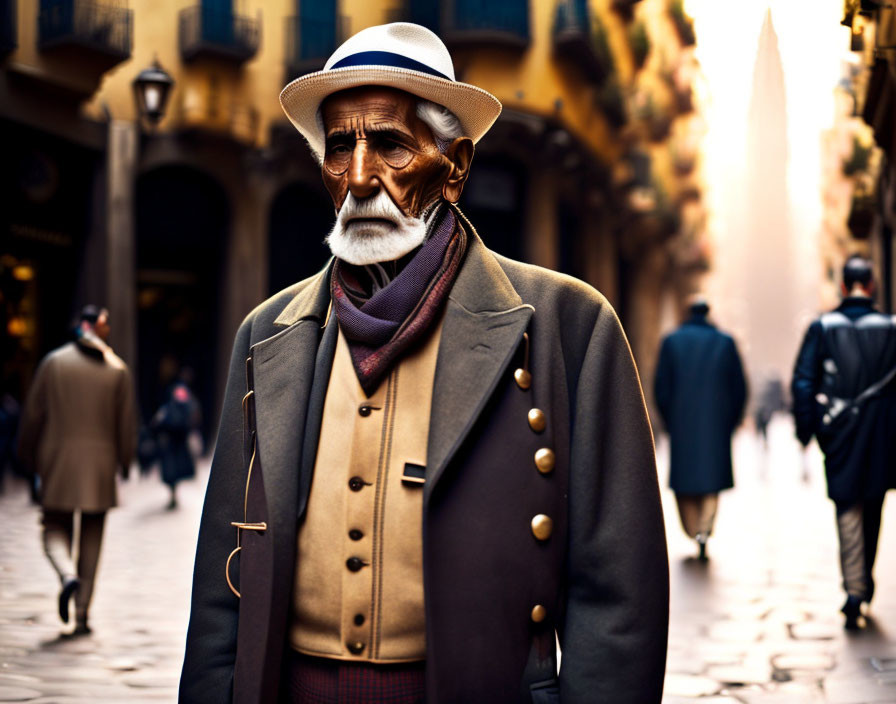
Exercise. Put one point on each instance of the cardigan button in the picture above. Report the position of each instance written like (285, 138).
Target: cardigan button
(523, 378)
(356, 483)
(537, 420)
(354, 564)
(544, 460)
(355, 534)
(355, 648)
(539, 613)
(365, 410)
(542, 527)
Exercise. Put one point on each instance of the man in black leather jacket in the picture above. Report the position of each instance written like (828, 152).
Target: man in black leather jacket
(844, 393)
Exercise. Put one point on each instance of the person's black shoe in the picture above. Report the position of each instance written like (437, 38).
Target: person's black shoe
(82, 629)
(852, 609)
(701, 543)
(69, 586)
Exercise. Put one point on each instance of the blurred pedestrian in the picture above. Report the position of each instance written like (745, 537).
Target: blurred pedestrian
(172, 425)
(700, 391)
(771, 401)
(78, 427)
(844, 393)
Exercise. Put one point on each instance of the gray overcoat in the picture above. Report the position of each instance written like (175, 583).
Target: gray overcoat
(602, 576)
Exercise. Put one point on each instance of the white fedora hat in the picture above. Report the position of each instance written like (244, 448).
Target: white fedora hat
(399, 55)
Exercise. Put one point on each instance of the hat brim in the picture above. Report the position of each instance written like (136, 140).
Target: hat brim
(476, 109)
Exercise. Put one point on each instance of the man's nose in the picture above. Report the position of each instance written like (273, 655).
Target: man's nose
(363, 179)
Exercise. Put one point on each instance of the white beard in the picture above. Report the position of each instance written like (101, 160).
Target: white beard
(388, 236)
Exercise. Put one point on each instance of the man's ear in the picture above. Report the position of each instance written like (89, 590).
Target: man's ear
(460, 154)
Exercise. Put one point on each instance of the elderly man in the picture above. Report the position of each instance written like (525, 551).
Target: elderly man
(431, 459)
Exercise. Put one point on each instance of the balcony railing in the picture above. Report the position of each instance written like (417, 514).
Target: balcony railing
(102, 28)
(581, 38)
(310, 39)
(8, 33)
(210, 31)
(463, 22)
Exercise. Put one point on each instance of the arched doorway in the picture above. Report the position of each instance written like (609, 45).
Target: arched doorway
(183, 220)
(300, 219)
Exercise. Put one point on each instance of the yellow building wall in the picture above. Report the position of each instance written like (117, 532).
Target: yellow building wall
(241, 100)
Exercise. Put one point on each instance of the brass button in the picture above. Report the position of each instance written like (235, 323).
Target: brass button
(355, 648)
(356, 563)
(523, 378)
(544, 460)
(537, 420)
(365, 410)
(539, 613)
(542, 527)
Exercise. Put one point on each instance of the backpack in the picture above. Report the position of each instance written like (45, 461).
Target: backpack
(853, 349)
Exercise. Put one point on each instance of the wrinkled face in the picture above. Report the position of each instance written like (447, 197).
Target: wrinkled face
(376, 143)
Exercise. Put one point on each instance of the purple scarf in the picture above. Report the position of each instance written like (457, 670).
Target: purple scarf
(380, 328)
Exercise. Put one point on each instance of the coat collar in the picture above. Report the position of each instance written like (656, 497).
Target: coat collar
(312, 300)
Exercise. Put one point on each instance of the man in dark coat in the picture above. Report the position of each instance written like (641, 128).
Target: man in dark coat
(700, 391)
(433, 461)
(844, 393)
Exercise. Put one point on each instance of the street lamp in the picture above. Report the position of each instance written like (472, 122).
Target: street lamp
(152, 87)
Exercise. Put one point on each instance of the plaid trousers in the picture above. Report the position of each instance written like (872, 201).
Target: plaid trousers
(311, 680)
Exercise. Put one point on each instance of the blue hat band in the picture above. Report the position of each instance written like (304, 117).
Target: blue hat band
(386, 58)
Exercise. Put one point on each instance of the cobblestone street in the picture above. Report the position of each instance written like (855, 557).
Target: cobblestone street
(758, 624)
(140, 603)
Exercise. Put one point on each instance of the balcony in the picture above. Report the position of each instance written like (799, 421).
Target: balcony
(461, 23)
(102, 30)
(207, 31)
(580, 38)
(310, 39)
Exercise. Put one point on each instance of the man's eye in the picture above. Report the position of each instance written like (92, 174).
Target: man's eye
(395, 153)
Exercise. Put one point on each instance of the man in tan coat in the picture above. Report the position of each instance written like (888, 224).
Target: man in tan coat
(78, 428)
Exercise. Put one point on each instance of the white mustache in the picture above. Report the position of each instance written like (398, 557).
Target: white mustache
(378, 207)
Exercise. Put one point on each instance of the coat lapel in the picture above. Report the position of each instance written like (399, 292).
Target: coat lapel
(283, 374)
(484, 323)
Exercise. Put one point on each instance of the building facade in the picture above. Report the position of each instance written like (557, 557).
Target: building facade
(181, 226)
(868, 159)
